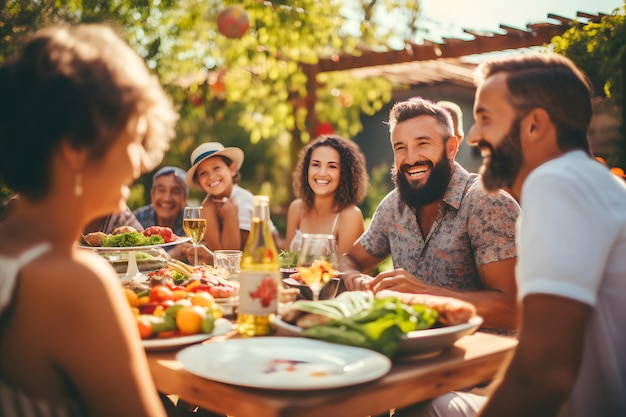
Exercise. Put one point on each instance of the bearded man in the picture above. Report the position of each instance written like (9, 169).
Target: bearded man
(445, 234)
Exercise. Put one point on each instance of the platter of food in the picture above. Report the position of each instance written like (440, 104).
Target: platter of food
(128, 238)
(389, 322)
(436, 339)
(414, 343)
(222, 326)
(134, 248)
(284, 363)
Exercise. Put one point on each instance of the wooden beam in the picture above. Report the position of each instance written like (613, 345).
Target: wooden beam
(450, 48)
(561, 19)
(513, 38)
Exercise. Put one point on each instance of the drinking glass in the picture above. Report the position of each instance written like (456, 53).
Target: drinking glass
(194, 225)
(317, 261)
(229, 260)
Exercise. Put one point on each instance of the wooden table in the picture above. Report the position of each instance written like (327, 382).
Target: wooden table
(473, 359)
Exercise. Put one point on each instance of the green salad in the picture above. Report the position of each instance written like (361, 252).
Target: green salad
(360, 320)
(124, 240)
(288, 259)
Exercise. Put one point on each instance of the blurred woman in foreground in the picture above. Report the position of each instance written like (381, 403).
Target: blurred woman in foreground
(80, 118)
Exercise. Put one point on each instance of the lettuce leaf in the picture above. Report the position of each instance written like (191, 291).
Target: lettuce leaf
(380, 327)
(131, 239)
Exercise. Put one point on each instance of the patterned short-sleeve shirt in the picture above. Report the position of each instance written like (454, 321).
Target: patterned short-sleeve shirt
(473, 228)
(147, 217)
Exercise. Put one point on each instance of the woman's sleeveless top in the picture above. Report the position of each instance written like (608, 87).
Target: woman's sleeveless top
(14, 403)
(296, 242)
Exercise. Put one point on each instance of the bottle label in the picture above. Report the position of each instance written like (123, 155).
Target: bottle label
(258, 292)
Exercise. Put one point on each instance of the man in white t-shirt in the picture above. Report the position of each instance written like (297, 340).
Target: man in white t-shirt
(532, 113)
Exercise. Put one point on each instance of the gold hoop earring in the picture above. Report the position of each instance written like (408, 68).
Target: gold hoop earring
(78, 185)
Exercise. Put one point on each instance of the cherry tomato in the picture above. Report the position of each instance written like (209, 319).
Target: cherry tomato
(160, 293)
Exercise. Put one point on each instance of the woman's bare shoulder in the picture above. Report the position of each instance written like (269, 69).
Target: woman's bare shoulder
(81, 270)
(295, 208)
(351, 212)
(295, 204)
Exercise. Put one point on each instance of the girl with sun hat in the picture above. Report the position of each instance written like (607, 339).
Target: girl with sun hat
(227, 206)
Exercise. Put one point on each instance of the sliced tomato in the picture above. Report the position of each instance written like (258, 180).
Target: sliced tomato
(165, 232)
(160, 293)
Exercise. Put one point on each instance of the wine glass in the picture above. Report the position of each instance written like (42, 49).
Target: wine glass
(317, 261)
(194, 225)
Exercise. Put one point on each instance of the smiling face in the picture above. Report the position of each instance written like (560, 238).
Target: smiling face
(424, 160)
(496, 132)
(216, 177)
(324, 171)
(168, 197)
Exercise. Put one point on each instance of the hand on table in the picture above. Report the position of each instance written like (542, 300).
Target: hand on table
(204, 255)
(357, 282)
(397, 280)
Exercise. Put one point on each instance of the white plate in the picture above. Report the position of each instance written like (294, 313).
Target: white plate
(227, 302)
(417, 342)
(127, 248)
(284, 363)
(222, 326)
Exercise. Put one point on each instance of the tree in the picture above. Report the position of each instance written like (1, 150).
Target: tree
(250, 91)
(599, 49)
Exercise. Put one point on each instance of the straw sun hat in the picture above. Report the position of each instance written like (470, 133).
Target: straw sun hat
(209, 150)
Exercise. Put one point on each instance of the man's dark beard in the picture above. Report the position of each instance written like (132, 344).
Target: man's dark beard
(506, 160)
(431, 191)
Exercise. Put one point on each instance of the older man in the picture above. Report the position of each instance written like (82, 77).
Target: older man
(445, 235)
(168, 197)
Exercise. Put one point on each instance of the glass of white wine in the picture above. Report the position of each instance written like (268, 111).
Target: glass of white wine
(317, 261)
(194, 225)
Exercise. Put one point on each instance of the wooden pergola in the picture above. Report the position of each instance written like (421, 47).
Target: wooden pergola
(431, 62)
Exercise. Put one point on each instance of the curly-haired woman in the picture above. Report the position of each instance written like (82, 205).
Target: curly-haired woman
(329, 181)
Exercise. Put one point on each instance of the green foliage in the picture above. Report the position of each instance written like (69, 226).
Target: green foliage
(378, 188)
(249, 92)
(599, 49)
(288, 259)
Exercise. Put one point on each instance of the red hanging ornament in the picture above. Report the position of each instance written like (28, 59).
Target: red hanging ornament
(324, 128)
(233, 22)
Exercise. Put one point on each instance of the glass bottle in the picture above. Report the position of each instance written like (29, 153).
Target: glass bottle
(259, 278)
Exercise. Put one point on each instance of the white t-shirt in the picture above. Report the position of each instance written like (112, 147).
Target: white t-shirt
(573, 244)
(245, 202)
